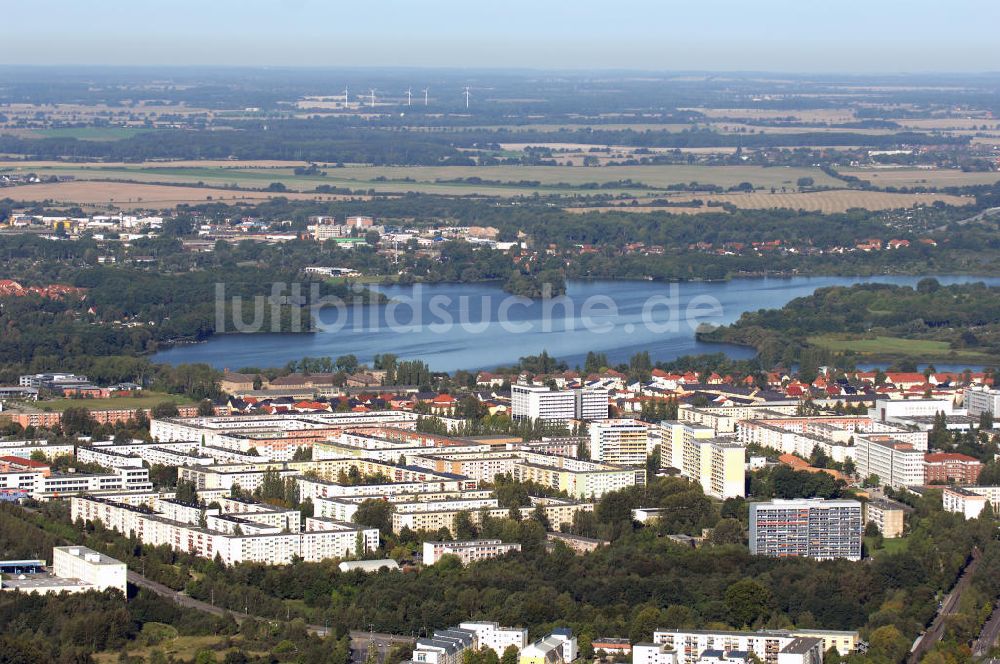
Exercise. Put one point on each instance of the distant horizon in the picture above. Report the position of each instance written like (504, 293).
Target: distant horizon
(779, 36)
(496, 69)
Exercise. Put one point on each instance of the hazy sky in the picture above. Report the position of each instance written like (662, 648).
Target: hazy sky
(775, 35)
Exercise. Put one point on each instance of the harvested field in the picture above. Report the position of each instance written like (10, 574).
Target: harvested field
(832, 115)
(129, 195)
(922, 177)
(839, 200)
(27, 165)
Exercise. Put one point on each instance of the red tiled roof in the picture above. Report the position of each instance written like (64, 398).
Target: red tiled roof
(24, 462)
(942, 457)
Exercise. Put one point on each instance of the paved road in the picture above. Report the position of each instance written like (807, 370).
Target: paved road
(948, 607)
(988, 637)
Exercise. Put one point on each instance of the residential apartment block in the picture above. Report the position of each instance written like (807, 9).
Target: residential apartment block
(895, 464)
(538, 402)
(813, 527)
(621, 442)
(969, 501)
(239, 532)
(888, 515)
(770, 647)
(468, 551)
(717, 464)
(946, 467)
(980, 399)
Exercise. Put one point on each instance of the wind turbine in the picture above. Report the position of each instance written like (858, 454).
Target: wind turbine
(409, 95)
(372, 93)
(426, 90)
(467, 96)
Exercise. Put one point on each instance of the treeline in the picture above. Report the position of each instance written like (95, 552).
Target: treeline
(342, 141)
(130, 311)
(963, 315)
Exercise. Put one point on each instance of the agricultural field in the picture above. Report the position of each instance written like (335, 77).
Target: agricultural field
(896, 347)
(83, 133)
(426, 178)
(832, 201)
(818, 116)
(922, 177)
(130, 196)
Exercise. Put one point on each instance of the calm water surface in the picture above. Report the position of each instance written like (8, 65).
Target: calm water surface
(471, 326)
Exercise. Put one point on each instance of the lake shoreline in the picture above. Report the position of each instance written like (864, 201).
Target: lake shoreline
(480, 326)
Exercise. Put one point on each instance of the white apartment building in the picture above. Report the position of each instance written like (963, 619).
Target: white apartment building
(261, 542)
(537, 402)
(621, 442)
(979, 400)
(498, 639)
(771, 647)
(310, 487)
(25, 448)
(895, 464)
(578, 478)
(428, 516)
(591, 403)
(468, 551)
(40, 487)
(653, 653)
(969, 501)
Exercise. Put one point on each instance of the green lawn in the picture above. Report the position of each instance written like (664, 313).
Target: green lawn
(895, 346)
(889, 546)
(147, 400)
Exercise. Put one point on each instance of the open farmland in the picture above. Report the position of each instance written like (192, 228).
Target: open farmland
(495, 180)
(833, 201)
(130, 195)
(922, 177)
(83, 133)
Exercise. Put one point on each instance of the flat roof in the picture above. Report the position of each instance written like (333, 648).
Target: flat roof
(82, 551)
(42, 581)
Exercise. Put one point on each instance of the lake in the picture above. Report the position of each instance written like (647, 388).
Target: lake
(476, 326)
